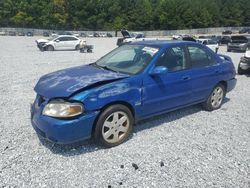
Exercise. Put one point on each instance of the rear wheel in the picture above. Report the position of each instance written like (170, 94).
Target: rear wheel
(77, 47)
(215, 99)
(50, 48)
(114, 125)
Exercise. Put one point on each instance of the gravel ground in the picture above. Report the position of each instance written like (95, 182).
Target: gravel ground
(184, 148)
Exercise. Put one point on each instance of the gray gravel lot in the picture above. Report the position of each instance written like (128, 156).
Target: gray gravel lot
(184, 148)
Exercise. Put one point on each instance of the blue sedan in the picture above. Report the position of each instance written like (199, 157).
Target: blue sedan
(105, 99)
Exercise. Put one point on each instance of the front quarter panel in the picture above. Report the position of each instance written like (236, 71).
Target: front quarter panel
(127, 90)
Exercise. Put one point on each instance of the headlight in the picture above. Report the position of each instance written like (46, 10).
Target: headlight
(62, 109)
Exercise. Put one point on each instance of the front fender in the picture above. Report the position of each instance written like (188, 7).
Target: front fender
(127, 90)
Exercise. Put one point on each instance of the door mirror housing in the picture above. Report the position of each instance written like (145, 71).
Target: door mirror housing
(57, 40)
(159, 70)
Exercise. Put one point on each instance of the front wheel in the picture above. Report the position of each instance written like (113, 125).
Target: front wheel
(114, 125)
(215, 99)
(50, 48)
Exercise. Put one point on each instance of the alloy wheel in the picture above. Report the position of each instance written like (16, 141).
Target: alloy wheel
(217, 97)
(115, 127)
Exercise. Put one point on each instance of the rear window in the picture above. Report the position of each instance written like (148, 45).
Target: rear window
(211, 42)
(199, 57)
(239, 39)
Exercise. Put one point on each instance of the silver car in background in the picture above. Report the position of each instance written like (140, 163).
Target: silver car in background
(212, 44)
(61, 42)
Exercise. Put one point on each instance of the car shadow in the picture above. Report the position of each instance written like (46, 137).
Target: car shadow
(89, 146)
(170, 116)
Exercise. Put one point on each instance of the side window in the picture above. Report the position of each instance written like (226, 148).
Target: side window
(174, 59)
(199, 57)
(71, 38)
(62, 38)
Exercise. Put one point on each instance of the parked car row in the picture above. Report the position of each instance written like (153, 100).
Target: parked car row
(78, 34)
(13, 33)
(205, 40)
(242, 31)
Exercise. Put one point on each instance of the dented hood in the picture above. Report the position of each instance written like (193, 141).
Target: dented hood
(66, 82)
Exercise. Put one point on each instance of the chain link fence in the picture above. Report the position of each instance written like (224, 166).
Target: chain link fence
(160, 33)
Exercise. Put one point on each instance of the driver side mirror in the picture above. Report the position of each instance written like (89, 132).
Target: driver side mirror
(57, 40)
(159, 70)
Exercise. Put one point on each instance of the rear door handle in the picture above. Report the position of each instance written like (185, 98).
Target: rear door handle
(186, 78)
(218, 71)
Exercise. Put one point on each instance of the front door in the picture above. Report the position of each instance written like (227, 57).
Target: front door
(171, 89)
(60, 43)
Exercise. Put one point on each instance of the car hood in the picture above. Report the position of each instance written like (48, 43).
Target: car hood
(67, 82)
(42, 40)
(125, 33)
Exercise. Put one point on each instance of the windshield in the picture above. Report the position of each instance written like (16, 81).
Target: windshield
(212, 42)
(128, 59)
(52, 38)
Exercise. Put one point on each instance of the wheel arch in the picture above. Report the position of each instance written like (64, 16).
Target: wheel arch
(224, 83)
(124, 103)
(46, 46)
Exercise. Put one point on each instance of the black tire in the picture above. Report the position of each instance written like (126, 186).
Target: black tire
(105, 117)
(209, 104)
(77, 47)
(50, 48)
(240, 71)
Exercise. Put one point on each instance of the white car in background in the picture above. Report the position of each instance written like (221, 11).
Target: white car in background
(61, 42)
(129, 37)
(212, 44)
(3, 33)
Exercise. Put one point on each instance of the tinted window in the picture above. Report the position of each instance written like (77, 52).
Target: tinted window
(71, 38)
(199, 57)
(62, 38)
(239, 39)
(211, 42)
(174, 59)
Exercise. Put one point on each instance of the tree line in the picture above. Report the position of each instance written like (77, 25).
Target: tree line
(130, 14)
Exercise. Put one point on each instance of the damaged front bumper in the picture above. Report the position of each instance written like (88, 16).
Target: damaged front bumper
(62, 131)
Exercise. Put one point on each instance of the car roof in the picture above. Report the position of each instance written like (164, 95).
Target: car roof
(67, 36)
(162, 43)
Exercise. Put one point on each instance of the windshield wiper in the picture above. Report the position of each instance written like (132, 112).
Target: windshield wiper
(107, 68)
(103, 67)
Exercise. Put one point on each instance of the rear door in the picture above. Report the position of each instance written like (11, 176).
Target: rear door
(205, 72)
(71, 43)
